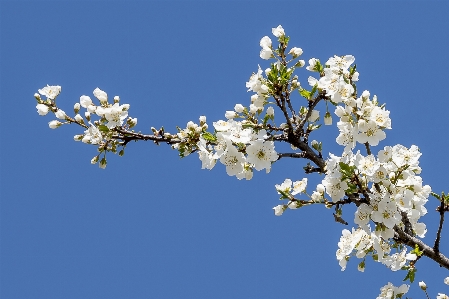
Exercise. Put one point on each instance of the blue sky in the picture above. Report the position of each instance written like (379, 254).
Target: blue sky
(154, 226)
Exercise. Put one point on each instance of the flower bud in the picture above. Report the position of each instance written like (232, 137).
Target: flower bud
(121, 153)
(54, 124)
(300, 63)
(76, 107)
(116, 99)
(85, 101)
(314, 116)
(191, 125)
(60, 114)
(132, 122)
(37, 97)
(202, 119)
(253, 109)
(278, 31)
(239, 108)
(254, 97)
(79, 118)
(270, 111)
(95, 159)
(328, 119)
(295, 52)
(125, 107)
(320, 188)
(230, 114)
(446, 280)
(365, 94)
(103, 163)
(91, 108)
(42, 109)
(278, 210)
(78, 137)
(87, 115)
(101, 96)
(422, 285)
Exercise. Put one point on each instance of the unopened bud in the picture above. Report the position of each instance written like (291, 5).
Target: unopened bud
(121, 153)
(103, 163)
(87, 115)
(132, 122)
(91, 108)
(78, 137)
(76, 107)
(95, 159)
(300, 63)
(365, 94)
(54, 124)
(328, 119)
(60, 114)
(125, 107)
(422, 285)
(37, 97)
(79, 119)
(116, 99)
(239, 108)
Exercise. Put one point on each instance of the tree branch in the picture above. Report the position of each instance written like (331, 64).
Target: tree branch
(428, 251)
(441, 210)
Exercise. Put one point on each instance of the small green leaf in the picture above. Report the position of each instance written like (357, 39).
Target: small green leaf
(410, 275)
(209, 137)
(103, 128)
(304, 93)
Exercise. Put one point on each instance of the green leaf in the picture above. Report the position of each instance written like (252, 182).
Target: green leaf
(103, 128)
(315, 87)
(344, 167)
(209, 137)
(410, 275)
(304, 93)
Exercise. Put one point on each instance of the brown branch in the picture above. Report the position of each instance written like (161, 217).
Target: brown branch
(128, 136)
(441, 210)
(404, 238)
(291, 155)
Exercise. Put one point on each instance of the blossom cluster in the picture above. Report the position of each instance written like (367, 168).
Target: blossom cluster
(100, 132)
(385, 187)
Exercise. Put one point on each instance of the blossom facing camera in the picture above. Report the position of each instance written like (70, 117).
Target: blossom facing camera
(51, 92)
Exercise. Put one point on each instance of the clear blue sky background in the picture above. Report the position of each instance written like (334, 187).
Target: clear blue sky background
(154, 226)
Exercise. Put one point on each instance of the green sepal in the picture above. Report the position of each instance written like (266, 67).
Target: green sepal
(284, 194)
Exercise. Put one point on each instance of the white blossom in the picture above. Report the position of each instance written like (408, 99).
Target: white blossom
(54, 124)
(278, 31)
(261, 154)
(42, 109)
(51, 92)
(85, 101)
(101, 95)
